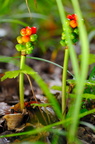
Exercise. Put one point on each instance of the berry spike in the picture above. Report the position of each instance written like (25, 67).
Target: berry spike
(73, 30)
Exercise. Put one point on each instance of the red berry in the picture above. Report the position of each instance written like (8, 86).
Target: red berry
(33, 37)
(69, 17)
(28, 30)
(74, 16)
(23, 31)
(34, 30)
(25, 38)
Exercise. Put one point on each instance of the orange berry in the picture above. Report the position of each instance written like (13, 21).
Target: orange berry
(23, 31)
(28, 30)
(25, 38)
(73, 23)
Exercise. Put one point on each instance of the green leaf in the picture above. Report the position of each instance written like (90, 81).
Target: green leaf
(55, 87)
(89, 86)
(91, 58)
(83, 110)
(86, 95)
(90, 83)
(10, 74)
(14, 74)
(87, 82)
(27, 70)
(71, 81)
(41, 104)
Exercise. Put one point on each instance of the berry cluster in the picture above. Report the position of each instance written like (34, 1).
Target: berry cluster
(26, 39)
(73, 30)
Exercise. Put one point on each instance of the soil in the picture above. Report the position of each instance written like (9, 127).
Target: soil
(9, 97)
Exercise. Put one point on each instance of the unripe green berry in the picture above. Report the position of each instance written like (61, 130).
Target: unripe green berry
(70, 30)
(67, 22)
(33, 37)
(28, 44)
(29, 50)
(66, 42)
(63, 36)
(62, 42)
(19, 39)
(76, 31)
(72, 35)
(75, 40)
(20, 47)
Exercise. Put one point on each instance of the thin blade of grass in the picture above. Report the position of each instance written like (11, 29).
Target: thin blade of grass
(82, 73)
(13, 21)
(46, 91)
(48, 127)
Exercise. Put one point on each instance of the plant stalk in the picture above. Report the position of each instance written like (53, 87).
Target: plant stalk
(64, 77)
(21, 81)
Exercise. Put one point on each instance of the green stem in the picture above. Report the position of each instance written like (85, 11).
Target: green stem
(64, 77)
(21, 81)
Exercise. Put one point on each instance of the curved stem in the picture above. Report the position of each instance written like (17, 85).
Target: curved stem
(21, 82)
(64, 77)
(41, 59)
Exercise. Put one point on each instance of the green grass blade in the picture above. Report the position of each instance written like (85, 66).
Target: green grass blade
(27, 15)
(13, 21)
(83, 72)
(48, 127)
(12, 60)
(46, 91)
(5, 4)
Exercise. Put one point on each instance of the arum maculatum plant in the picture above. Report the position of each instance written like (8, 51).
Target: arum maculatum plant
(26, 45)
(71, 21)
